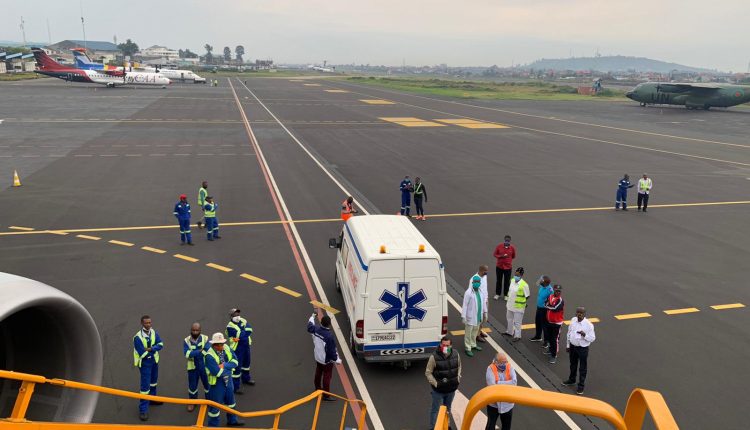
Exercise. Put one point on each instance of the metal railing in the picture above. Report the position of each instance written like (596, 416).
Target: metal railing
(29, 381)
(640, 402)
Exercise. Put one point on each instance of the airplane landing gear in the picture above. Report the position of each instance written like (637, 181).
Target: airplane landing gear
(643, 104)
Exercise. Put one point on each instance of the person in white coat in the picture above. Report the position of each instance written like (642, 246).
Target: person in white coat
(473, 312)
(518, 295)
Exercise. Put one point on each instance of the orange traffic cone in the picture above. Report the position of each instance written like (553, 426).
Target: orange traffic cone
(16, 179)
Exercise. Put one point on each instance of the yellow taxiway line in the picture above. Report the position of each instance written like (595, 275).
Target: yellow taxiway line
(323, 220)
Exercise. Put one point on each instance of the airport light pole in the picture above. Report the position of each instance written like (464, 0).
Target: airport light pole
(23, 32)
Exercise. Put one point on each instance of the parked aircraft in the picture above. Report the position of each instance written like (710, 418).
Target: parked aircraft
(82, 61)
(690, 95)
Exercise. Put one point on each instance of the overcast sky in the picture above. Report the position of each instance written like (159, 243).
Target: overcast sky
(421, 32)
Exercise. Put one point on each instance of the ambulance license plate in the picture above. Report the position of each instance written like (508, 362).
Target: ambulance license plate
(383, 337)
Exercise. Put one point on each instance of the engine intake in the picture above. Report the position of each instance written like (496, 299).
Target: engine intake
(46, 332)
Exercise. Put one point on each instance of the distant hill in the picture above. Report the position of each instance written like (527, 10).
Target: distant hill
(616, 63)
(15, 44)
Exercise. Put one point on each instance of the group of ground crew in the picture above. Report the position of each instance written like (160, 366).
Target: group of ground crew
(219, 369)
(183, 214)
(644, 189)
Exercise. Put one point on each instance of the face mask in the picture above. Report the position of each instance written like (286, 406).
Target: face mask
(501, 367)
(507, 243)
(235, 319)
(517, 278)
(446, 350)
(475, 287)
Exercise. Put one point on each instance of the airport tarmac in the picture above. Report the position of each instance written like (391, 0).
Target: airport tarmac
(102, 168)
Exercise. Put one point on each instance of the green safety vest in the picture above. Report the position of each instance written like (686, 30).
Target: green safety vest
(210, 213)
(239, 328)
(199, 345)
(212, 353)
(202, 193)
(137, 359)
(521, 296)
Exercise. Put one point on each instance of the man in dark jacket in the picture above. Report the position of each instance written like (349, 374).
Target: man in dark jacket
(325, 353)
(444, 374)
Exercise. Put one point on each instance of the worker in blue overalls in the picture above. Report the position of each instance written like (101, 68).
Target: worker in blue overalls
(406, 188)
(219, 364)
(239, 334)
(212, 223)
(194, 348)
(146, 347)
(622, 193)
(182, 213)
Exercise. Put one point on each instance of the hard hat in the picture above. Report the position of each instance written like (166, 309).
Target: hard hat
(183, 197)
(218, 338)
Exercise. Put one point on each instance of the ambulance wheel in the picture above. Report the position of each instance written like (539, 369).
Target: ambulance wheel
(352, 345)
(336, 280)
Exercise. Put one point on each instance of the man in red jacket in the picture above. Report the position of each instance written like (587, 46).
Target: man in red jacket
(504, 253)
(555, 317)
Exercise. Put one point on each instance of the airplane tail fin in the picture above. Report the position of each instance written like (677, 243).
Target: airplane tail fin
(44, 61)
(81, 57)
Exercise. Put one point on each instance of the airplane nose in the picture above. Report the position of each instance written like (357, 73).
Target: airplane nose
(629, 94)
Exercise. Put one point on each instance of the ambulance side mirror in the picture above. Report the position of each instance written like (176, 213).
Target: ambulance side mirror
(333, 244)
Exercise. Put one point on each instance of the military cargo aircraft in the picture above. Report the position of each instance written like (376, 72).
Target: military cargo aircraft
(690, 95)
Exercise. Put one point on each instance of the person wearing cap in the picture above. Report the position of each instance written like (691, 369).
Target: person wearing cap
(220, 361)
(473, 312)
(194, 348)
(482, 273)
(544, 291)
(518, 295)
(504, 255)
(182, 213)
(324, 351)
(420, 193)
(644, 189)
(347, 208)
(202, 194)
(239, 334)
(622, 193)
(212, 224)
(500, 372)
(555, 316)
(406, 188)
(146, 347)
(580, 336)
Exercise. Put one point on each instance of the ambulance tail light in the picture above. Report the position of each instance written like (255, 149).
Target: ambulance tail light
(444, 329)
(359, 330)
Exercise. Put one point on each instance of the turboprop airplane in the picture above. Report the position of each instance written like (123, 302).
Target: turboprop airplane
(83, 62)
(110, 78)
(691, 95)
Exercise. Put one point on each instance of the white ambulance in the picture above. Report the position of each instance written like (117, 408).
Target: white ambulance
(393, 284)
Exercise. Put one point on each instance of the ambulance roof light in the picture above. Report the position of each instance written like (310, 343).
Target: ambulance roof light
(421, 247)
(382, 249)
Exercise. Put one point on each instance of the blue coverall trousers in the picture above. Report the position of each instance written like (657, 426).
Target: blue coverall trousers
(242, 372)
(405, 203)
(221, 393)
(622, 197)
(185, 234)
(149, 377)
(195, 375)
(212, 228)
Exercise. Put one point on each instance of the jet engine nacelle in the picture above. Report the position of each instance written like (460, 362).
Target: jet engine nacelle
(46, 332)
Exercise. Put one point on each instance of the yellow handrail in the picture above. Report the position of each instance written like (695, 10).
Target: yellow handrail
(28, 381)
(640, 401)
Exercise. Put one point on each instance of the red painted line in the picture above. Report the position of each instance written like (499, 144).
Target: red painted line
(345, 382)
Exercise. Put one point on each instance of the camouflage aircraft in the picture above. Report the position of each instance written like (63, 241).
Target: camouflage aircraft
(690, 95)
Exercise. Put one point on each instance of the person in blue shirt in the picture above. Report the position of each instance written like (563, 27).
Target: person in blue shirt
(146, 347)
(406, 188)
(182, 213)
(545, 289)
(220, 362)
(194, 348)
(622, 193)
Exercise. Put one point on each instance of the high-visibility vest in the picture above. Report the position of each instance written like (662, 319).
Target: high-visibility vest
(645, 184)
(242, 326)
(521, 296)
(346, 210)
(418, 190)
(138, 359)
(211, 211)
(495, 371)
(212, 353)
(202, 194)
(198, 345)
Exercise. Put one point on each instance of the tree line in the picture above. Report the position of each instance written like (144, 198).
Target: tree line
(131, 48)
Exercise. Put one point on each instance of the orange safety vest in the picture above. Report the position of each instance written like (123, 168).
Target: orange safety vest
(497, 375)
(346, 210)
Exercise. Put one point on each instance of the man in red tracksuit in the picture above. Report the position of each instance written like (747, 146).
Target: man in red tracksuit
(504, 253)
(555, 316)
